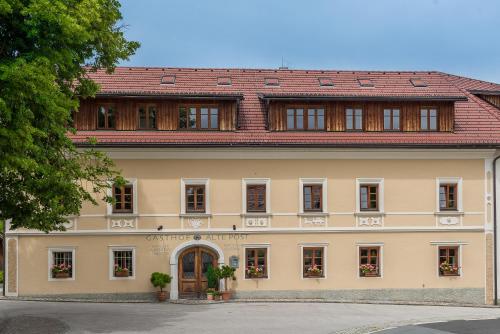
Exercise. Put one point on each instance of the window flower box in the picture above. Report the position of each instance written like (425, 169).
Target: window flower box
(448, 269)
(61, 270)
(121, 271)
(314, 272)
(255, 272)
(61, 275)
(368, 270)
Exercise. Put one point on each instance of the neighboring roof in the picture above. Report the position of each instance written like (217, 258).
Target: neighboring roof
(476, 121)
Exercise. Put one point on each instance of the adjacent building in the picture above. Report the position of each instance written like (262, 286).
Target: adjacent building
(313, 184)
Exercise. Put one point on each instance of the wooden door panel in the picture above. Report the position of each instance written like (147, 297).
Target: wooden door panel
(193, 265)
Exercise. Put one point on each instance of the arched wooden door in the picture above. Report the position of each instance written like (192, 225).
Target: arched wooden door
(193, 265)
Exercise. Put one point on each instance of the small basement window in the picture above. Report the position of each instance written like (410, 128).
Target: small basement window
(168, 79)
(365, 83)
(417, 82)
(325, 82)
(224, 81)
(271, 82)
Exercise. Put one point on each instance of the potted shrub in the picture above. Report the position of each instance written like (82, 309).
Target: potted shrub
(212, 282)
(314, 271)
(255, 272)
(160, 280)
(448, 270)
(224, 273)
(368, 270)
(121, 271)
(61, 270)
(217, 295)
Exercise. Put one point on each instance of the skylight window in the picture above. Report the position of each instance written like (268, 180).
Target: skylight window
(271, 82)
(365, 82)
(325, 82)
(168, 79)
(224, 81)
(417, 82)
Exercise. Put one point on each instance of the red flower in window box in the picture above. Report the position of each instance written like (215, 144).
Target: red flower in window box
(448, 270)
(314, 271)
(61, 270)
(368, 270)
(121, 271)
(255, 272)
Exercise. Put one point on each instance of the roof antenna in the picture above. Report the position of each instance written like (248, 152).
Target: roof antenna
(283, 67)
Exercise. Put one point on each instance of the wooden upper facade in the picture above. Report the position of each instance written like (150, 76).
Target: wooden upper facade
(227, 107)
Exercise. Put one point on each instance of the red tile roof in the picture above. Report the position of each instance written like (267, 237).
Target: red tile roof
(476, 121)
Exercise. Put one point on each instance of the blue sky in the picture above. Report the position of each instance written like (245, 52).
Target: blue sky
(456, 36)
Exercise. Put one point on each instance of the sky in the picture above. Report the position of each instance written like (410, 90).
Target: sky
(455, 36)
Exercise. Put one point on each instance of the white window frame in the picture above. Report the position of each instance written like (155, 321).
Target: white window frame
(268, 261)
(325, 259)
(377, 181)
(381, 260)
(458, 244)
(450, 180)
(111, 262)
(255, 181)
(324, 199)
(197, 181)
(51, 252)
(135, 199)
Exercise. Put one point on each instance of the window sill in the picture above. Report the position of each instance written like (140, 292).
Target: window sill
(313, 214)
(256, 214)
(122, 215)
(369, 214)
(195, 215)
(449, 213)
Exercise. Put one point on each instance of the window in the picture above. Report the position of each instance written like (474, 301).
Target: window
(369, 261)
(354, 119)
(417, 82)
(124, 199)
(305, 119)
(365, 82)
(271, 82)
(295, 119)
(325, 82)
(313, 197)
(448, 196)
(428, 119)
(368, 196)
(195, 198)
(122, 262)
(256, 198)
(147, 117)
(61, 263)
(256, 263)
(449, 264)
(313, 262)
(168, 79)
(391, 119)
(106, 117)
(224, 81)
(196, 118)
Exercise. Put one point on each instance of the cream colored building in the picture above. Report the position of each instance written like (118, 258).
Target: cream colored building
(312, 184)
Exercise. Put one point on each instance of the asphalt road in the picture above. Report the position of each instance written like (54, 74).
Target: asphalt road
(22, 317)
(491, 326)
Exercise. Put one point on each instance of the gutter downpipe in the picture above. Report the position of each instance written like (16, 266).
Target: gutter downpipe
(495, 232)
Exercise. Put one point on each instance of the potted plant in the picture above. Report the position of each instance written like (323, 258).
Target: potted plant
(255, 272)
(314, 271)
(121, 271)
(448, 270)
(224, 273)
(212, 282)
(217, 295)
(368, 270)
(61, 270)
(160, 280)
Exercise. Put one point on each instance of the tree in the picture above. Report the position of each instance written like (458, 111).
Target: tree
(47, 47)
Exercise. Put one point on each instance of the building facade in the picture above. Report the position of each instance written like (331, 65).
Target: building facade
(312, 184)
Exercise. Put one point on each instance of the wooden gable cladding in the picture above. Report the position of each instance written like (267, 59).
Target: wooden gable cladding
(373, 114)
(493, 99)
(167, 113)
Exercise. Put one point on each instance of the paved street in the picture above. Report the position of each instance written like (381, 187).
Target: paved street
(66, 317)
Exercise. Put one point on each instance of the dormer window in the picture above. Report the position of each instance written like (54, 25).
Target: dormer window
(428, 119)
(417, 82)
(199, 118)
(365, 82)
(168, 79)
(106, 117)
(325, 82)
(271, 82)
(305, 118)
(224, 81)
(147, 117)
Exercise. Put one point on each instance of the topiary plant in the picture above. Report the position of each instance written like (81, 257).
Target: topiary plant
(212, 280)
(160, 280)
(226, 272)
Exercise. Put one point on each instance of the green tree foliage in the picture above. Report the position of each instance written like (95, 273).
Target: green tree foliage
(47, 47)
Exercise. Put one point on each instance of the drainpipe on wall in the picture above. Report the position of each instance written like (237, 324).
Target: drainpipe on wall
(495, 246)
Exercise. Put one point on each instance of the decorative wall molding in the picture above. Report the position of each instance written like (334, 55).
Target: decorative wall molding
(128, 223)
(376, 221)
(256, 221)
(447, 221)
(314, 221)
